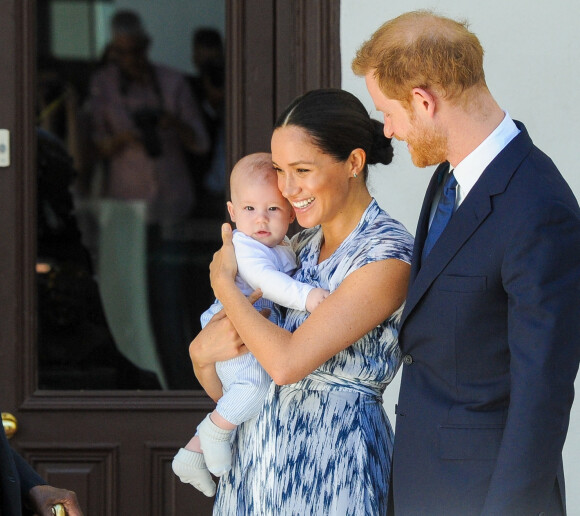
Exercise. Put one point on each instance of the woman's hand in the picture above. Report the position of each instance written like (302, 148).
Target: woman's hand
(223, 268)
(217, 342)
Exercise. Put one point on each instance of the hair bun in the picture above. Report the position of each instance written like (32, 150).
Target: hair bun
(381, 150)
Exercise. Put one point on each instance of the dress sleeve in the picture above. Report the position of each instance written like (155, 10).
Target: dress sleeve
(390, 241)
(386, 239)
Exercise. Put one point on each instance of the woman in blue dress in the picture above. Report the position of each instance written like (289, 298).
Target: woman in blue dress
(322, 442)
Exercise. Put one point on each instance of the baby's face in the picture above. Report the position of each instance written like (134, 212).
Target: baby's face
(260, 211)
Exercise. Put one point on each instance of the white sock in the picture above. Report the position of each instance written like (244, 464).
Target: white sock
(190, 467)
(215, 444)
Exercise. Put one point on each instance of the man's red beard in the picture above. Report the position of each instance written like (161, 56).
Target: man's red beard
(428, 146)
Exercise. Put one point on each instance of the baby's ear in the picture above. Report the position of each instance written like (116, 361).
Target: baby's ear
(231, 211)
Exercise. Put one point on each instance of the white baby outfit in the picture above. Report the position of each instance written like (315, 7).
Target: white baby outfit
(245, 383)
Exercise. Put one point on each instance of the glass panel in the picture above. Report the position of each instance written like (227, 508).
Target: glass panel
(131, 175)
(71, 30)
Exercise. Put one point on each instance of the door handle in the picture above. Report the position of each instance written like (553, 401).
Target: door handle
(9, 423)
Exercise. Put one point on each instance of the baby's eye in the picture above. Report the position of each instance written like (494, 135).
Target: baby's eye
(249, 208)
(273, 208)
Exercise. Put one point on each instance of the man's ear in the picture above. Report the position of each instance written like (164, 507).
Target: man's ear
(424, 101)
(231, 210)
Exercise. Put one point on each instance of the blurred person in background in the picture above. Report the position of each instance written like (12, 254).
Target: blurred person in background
(145, 123)
(208, 88)
(145, 119)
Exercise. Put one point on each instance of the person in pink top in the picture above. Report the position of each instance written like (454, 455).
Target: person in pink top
(145, 118)
(145, 121)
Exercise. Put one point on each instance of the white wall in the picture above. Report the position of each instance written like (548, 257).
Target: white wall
(532, 68)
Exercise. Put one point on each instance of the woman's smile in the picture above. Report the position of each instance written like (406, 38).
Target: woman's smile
(303, 204)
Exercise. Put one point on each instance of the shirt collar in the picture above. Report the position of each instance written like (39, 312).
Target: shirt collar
(472, 166)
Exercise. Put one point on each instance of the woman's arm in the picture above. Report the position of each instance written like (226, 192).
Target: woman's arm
(218, 341)
(365, 298)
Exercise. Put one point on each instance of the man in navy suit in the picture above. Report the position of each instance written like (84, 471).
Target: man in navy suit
(23, 491)
(490, 333)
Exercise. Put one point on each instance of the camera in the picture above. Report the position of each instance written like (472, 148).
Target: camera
(147, 121)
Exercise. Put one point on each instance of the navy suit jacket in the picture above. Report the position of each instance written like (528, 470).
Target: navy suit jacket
(490, 336)
(17, 478)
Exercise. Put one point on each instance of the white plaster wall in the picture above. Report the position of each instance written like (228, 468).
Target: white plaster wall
(532, 64)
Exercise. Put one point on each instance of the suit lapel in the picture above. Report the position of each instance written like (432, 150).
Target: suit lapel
(423, 225)
(473, 211)
(462, 225)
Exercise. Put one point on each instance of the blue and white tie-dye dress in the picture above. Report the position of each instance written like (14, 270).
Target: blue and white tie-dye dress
(322, 446)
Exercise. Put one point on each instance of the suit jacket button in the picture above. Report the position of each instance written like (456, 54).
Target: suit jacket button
(408, 359)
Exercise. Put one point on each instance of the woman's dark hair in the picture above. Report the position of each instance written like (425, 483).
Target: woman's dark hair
(338, 123)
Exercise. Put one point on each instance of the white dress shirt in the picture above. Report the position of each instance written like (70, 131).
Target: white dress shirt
(469, 170)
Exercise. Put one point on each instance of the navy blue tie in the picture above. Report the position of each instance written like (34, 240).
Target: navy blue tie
(442, 215)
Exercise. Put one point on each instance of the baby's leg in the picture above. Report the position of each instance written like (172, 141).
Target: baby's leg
(222, 422)
(214, 435)
(189, 465)
(194, 445)
(245, 387)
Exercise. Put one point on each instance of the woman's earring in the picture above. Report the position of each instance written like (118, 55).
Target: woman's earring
(355, 175)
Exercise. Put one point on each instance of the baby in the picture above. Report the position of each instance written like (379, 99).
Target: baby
(265, 260)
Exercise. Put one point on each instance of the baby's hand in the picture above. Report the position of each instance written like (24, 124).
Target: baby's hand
(315, 297)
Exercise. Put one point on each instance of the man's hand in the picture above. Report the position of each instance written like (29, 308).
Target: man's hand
(43, 498)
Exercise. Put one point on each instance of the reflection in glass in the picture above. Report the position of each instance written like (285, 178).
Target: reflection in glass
(122, 273)
(76, 348)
